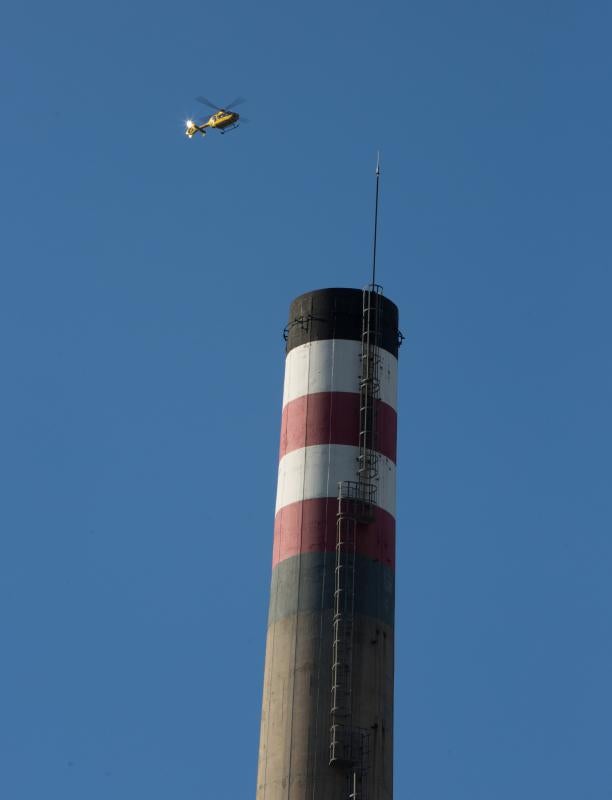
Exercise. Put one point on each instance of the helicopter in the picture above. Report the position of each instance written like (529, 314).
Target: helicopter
(223, 119)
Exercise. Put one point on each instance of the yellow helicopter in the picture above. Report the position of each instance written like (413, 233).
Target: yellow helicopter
(223, 119)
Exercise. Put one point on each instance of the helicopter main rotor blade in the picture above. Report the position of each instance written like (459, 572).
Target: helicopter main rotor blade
(206, 102)
(238, 101)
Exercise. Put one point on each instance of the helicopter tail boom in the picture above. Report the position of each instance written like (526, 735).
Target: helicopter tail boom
(192, 128)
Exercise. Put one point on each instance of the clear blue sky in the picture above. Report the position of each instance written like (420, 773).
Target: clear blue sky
(144, 286)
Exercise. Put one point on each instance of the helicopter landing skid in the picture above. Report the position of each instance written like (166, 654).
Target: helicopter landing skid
(231, 128)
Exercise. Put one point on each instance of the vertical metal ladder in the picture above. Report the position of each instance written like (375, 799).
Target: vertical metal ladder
(349, 746)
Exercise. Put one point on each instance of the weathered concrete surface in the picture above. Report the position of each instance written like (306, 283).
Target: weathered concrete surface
(294, 741)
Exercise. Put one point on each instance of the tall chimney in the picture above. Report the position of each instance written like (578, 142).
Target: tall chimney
(327, 710)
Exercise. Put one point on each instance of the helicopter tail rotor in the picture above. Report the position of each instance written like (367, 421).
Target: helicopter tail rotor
(191, 128)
